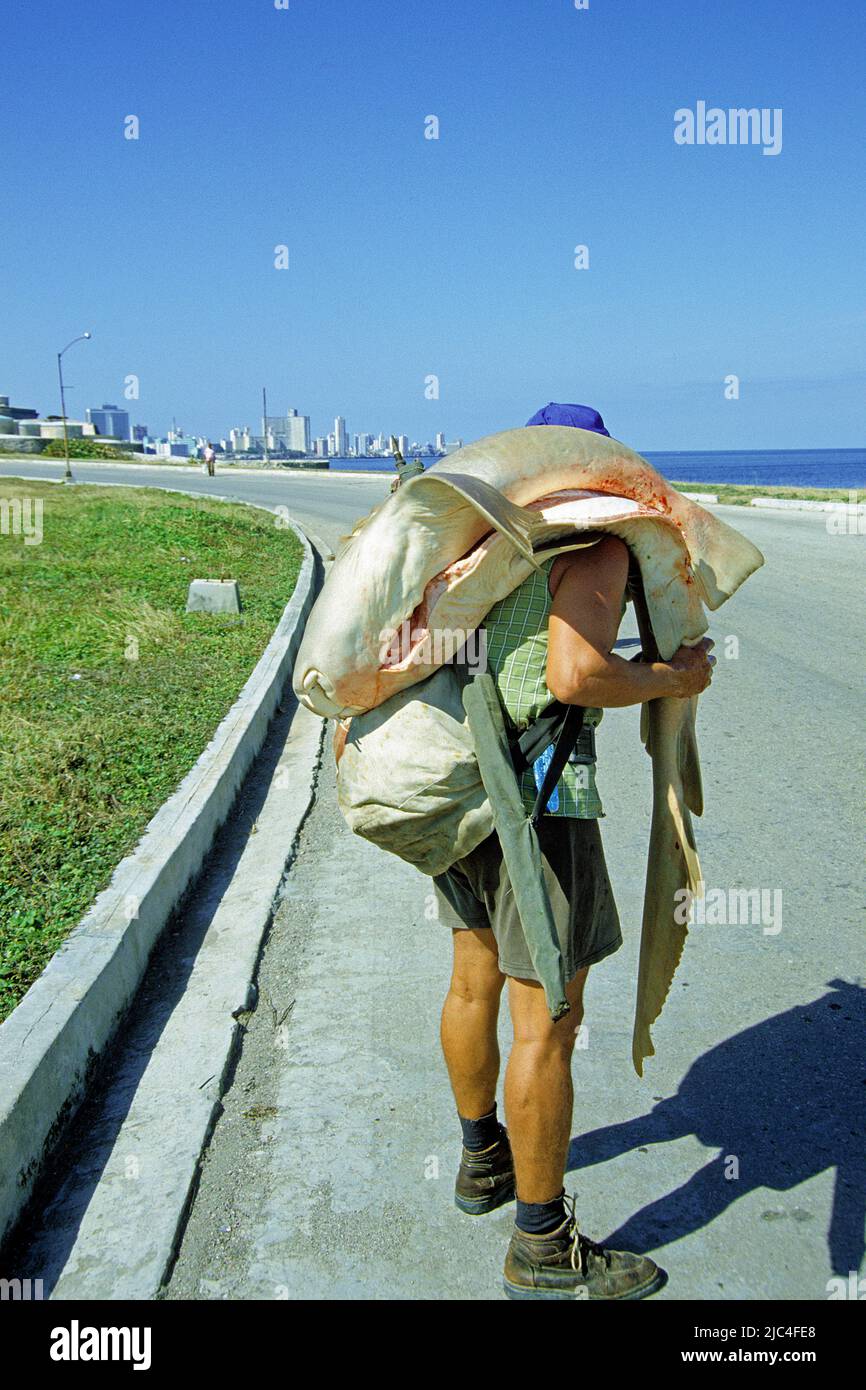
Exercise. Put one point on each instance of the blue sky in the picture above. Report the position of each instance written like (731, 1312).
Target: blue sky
(410, 257)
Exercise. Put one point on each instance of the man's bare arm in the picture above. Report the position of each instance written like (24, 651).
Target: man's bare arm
(582, 669)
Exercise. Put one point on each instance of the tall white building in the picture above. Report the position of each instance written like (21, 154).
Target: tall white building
(362, 445)
(341, 438)
(290, 431)
(403, 444)
(299, 432)
(440, 441)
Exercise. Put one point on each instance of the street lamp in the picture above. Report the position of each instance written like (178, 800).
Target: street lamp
(67, 476)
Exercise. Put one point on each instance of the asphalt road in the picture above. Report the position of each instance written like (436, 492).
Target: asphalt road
(326, 502)
(740, 1159)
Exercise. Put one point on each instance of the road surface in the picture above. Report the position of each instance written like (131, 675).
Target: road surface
(740, 1160)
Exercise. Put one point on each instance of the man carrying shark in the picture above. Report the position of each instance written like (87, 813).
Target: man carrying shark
(551, 638)
(537, 535)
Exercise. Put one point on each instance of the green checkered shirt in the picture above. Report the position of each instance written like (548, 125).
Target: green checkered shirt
(516, 629)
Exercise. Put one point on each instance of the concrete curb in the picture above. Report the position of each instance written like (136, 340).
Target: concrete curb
(160, 1097)
(794, 504)
(49, 1042)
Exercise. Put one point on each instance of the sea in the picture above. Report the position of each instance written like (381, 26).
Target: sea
(845, 468)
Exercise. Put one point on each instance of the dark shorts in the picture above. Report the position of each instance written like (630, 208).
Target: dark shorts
(476, 893)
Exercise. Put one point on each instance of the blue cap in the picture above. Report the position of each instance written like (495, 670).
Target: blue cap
(581, 417)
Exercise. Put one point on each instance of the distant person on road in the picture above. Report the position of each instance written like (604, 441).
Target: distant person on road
(551, 638)
(209, 459)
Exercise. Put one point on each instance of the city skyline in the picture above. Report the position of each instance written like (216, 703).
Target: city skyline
(276, 422)
(291, 430)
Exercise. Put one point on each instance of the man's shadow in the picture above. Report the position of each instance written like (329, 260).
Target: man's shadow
(786, 1098)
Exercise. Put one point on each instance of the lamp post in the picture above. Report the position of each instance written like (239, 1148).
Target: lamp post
(67, 476)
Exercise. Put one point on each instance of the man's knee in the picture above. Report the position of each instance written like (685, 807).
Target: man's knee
(533, 1026)
(476, 976)
(553, 1038)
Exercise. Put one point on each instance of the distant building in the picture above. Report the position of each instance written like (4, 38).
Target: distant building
(241, 441)
(440, 442)
(362, 445)
(16, 412)
(289, 433)
(320, 447)
(332, 445)
(453, 446)
(140, 432)
(299, 433)
(341, 438)
(109, 420)
(29, 430)
(403, 444)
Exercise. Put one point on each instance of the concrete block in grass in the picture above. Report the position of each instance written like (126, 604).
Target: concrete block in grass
(213, 596)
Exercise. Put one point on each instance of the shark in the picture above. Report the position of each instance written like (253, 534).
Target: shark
(420, 572)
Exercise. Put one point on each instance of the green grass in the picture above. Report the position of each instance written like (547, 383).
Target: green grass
(82, 449)
(109, 691)
(740, 495)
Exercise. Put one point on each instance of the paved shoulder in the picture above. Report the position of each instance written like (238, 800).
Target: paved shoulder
(331, 1172)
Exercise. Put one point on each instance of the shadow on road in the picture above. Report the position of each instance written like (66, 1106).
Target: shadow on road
(786, 1098)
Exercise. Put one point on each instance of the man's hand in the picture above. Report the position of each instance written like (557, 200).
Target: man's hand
(587, 589)
(693, 668)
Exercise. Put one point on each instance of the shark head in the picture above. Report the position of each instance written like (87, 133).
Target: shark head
(431, 560)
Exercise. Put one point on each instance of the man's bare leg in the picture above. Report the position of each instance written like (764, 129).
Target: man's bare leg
(539, 1094)
(486, 1176)
(548, 1257)
(469, 1019)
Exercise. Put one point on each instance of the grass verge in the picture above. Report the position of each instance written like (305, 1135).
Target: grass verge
(741, 494)
(109, 690)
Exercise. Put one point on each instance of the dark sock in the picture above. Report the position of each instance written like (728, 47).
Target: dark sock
(480, 1134)
(539, 1218)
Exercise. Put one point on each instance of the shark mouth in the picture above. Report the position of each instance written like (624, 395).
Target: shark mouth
(413, 634)
(574, 510)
